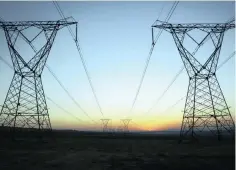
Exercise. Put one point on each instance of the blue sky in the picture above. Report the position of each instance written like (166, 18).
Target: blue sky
(116, 38)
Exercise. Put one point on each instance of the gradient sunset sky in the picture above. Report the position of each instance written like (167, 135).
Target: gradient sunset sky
(115, 38)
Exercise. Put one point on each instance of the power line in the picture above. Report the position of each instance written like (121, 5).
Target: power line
(67, 92)
(226, 60)
(50, 98)
(63, 16)
(166, 20)
(159, 15)
(136, 125)
(150, 54)
(81, 56)
(80, 120)
(168, 87)
(3, 60)
(63, 87)
(177, 102)
(232, 19)
(57, 81)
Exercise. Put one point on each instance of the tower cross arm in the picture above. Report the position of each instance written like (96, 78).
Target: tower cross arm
(188, 27)
(38, 24)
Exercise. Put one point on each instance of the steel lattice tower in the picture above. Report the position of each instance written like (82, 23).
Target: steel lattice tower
(105, 123)
(125, 124)
(205, 109)
(25, 104)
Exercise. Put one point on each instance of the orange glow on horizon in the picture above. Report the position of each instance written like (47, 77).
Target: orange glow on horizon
(156, 122)
(159, 125)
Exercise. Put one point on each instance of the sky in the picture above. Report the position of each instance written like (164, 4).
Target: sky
(115, 38)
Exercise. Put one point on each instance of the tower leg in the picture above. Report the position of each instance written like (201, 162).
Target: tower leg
(25, 105)
(206, 110)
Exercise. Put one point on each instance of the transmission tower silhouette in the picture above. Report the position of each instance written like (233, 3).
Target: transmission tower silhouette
(125, 124)
(105, 125)
(205, 109)
(25, 104)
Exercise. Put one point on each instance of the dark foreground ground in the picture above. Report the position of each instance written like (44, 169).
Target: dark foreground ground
(94, 151)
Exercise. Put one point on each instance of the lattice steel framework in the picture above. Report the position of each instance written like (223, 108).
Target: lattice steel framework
(25, 104)
(205, 109)
(125, 124)
(105, 124)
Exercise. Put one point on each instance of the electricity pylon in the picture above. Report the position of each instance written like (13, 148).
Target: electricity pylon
(105, 124)
(125, 124)
(205, 109)
(25, 104)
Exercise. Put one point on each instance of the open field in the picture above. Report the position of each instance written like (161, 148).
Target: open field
(91, 151)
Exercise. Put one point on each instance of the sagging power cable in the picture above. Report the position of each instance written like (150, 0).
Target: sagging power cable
(8, 64)
(81, 56)
(182, 68)
(150, 54)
